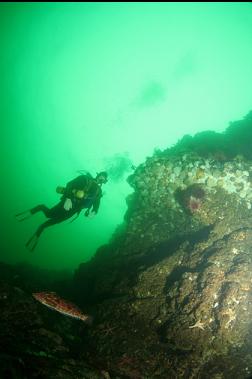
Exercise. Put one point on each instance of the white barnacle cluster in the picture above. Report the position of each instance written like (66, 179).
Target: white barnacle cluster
(158, 177)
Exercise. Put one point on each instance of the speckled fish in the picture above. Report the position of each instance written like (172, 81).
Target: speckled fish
(53, 301)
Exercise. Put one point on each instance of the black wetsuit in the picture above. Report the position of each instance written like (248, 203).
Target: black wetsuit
(57, 214)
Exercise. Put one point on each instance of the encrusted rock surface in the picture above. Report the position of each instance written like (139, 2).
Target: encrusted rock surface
(171, 293)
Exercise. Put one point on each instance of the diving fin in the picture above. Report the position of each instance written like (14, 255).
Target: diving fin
(23, 215)
(32, 242)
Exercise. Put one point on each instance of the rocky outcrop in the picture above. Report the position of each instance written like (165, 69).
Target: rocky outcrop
(172, 292)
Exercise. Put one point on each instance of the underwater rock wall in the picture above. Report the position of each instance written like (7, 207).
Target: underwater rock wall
(173, 288)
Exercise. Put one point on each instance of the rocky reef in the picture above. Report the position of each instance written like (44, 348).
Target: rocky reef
(171, 293)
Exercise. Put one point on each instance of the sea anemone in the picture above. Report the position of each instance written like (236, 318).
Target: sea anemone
(194, 204)
(191, 198)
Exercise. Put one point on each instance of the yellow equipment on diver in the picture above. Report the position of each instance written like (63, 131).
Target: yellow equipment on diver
(79, 194)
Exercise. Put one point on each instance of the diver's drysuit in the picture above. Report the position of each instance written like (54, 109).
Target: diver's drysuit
(83, 191)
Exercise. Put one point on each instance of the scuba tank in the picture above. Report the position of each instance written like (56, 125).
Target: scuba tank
(60, 189)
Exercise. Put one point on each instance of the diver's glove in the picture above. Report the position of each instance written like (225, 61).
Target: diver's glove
(68, 204)
(90, 215)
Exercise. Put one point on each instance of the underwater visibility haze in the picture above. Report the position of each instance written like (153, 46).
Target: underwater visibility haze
(153, 279)
(99, 86)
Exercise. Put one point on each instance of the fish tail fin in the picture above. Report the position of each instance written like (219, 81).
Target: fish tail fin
(88, 320)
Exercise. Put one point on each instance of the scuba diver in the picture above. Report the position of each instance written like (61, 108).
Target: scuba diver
(81, 192)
